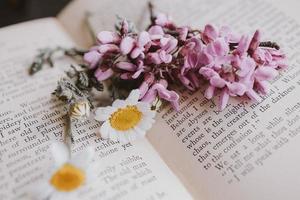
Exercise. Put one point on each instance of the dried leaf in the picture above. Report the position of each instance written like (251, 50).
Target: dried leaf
(82, 81)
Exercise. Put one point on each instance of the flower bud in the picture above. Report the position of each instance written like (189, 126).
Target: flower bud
(79, 109)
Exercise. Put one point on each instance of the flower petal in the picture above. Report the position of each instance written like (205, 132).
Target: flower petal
(154, 58)
(92, 58)
(137, 73)
(220, 47)
(127, 45)
(146, 123)
(136, 52)
(41, 190)
(183, 32)
(106, 48)
(263, 87)
(243, 45)
(60, 153)
(83, 158)
(171, 45)
(143, 38)
(102, 114)
(105, 130)
(150, 113)
(224, 97)
(133, 97)
(119, 103)
(108, 37)
(162, 19)
(156, 32)
(217, 81)
(253, 95)
(103, 74)
(265, 73)
(254, 42)
(207, 72)
(209, 92)
(236, 88)
(210, 33)
(126, 66)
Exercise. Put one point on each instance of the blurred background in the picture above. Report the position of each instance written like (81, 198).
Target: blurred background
(15, 11)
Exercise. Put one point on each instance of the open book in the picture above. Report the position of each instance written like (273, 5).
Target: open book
(249, 151)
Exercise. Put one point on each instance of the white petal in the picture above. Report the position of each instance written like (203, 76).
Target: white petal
(105, 130)
(60, 153)
(41, 190)
(149, 114)
(140, 132)
(83, 159)
(123, 139)
(143, 106)
(146, 123)
(131, 135)
(113, 135)
(133, 97)
(60, 195)
(121, 136)
(102, 114)
(119, 103)
(91, 172)
(102, 117)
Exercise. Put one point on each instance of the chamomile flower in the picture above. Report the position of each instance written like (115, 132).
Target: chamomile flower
(68, 175)
(126, 120)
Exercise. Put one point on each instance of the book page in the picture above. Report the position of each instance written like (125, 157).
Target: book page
(249, 150)
(30, 119)
(241, 152)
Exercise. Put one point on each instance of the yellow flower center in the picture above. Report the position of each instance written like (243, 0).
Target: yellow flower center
(125, 118)
(67, 178)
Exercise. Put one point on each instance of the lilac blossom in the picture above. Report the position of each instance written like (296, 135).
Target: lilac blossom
(166, 54)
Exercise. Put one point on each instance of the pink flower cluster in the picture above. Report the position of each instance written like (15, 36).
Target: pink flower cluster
(166, 54)
(237, 66)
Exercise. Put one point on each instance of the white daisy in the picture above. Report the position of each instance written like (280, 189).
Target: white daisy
(68, 175)
(126, 120)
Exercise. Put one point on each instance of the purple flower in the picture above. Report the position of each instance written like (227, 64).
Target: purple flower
(106, 37)
(148, 81)
(190, 80)
(266, 55)
(163, 20)
(225, 81)
(165, 54)
(244, 71)
(160, 90)
(127, 45)
(133, 71)
(211, 33)
(262, 75)
(142, 41)
(92, 57)
(183, 33)
(156, 32)
(216, 53)
(192, 45)
(103, 73)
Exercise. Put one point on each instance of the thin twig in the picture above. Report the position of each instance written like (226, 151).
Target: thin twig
(151, 8)
(68, 136)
